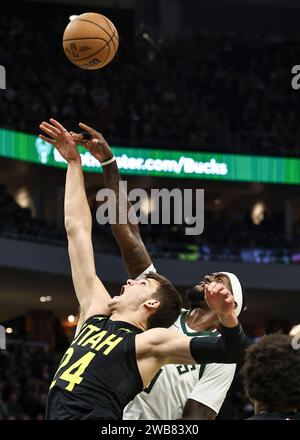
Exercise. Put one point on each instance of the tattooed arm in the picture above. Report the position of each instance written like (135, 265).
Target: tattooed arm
(128, 237)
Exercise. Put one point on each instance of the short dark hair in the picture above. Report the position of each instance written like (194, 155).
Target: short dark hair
(170, 303)
(271, 372)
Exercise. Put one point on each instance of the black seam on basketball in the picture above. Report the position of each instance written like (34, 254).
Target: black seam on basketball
(89, 56)
(108, 24)
(95, 24)
(112, 40)
(103, 63)
(117, 41)
(107, 42)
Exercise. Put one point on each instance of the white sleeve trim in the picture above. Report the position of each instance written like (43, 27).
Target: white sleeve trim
(151, 268)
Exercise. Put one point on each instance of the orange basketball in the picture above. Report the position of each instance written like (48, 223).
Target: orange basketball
(90, 41)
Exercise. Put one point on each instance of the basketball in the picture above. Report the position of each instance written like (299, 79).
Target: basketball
(90, 41)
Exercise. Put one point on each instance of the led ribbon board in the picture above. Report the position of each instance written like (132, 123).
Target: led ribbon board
(165, 163)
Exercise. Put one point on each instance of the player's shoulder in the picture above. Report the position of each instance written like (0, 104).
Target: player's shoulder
(149, 341)
(155, 335)
(178, 323)
(181, 326)
(105, 322)
(96, 318)
(225, 369)
(85, 321)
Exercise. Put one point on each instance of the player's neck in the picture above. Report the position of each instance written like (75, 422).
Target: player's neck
(201, 320)
(116, 316)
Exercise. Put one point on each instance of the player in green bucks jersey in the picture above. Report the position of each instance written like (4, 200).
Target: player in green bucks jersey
(178, 391)
(189, 391)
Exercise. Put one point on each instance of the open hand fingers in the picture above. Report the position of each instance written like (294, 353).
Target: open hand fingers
(58, 125)
(51, 127)
(79, 139)
(51, 131)
(88, 129)
(76, 136)
(46, 139)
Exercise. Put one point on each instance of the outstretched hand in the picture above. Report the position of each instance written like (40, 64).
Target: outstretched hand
(97, 145)
(61, 139)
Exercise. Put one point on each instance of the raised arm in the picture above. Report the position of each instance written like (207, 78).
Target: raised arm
(128, 237)
(91, 293)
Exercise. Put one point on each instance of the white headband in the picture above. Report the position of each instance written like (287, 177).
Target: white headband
(236, 290)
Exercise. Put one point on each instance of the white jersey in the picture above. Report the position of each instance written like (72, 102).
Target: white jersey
(165, 397)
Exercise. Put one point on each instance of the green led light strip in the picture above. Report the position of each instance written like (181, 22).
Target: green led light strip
(165, 163)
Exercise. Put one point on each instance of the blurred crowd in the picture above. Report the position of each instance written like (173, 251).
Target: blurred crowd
(228, 239)
(235, 239)
(210, 92)
(23, 391)
(16, 221)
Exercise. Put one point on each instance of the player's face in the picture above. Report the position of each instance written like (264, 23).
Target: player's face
(134, 293)
(218, 278)
(196, 294)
